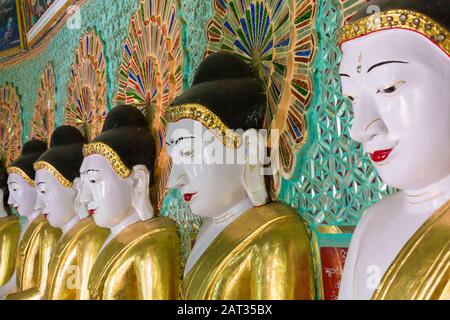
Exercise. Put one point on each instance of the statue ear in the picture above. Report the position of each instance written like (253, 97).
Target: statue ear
(141, 192)
(252, 178)
(79, 206)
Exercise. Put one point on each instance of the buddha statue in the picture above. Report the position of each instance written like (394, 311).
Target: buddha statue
(395, 70)
(140, 259)
(37, 239)
(57, 182)
(9, 232)
(247, 247)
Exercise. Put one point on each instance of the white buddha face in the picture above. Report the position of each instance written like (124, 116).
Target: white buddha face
(398, 82)
(54, 200)
(22, 196)
(108, 196)
(208, 183)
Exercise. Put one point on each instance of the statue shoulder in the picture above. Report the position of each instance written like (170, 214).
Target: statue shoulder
(49, 232)
(282, 225)
(9, 224)
(84, 233)
(381, 209)
(145, 234)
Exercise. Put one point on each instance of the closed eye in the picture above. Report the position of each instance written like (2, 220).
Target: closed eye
(391, 89)
(350, 98)
(189, 153)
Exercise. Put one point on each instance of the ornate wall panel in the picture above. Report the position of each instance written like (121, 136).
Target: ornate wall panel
(86, 104)
(151, 73)
(43, 120)
(112, 27)
(10, 124)
(277, 38)
(335, 182)
(195, 14)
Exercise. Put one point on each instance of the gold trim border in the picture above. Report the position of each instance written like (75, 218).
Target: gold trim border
(206, 117)
(397, 19)
(113, 158)
(54, 172)
(21, 173)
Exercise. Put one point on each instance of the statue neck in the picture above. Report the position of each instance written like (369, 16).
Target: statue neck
(29, 220)
(231, 214)
(132, 218)
(429, 198)
(69, 225)
(213, 227)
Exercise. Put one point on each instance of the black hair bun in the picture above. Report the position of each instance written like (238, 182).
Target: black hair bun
(31, 151)
(66, 135)
(124, 116)
(222, 66)
(34, 146)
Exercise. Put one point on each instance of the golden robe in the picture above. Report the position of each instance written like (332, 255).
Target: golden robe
(9, 239)
(72, 262)
(141, 263)
(33, 257)
(264, 254)
(421, 271)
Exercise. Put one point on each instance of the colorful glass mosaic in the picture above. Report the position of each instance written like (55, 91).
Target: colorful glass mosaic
(195, 14)
(336, 182)
(151, 73)
(86, 103)
(43, 120)
(276, 37)
(10, 124)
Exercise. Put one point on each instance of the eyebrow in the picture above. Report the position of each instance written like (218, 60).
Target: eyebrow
(90, 170)
(179, 139)
(344, 75)
(385, 62)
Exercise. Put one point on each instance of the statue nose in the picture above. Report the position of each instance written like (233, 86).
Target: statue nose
(367, 122)
(177, 178)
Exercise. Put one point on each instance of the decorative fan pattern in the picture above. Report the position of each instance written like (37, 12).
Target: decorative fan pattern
(151, 72)
(276, 37)
(338, 182)
(43, 120)
(86, 103)
(10, 124)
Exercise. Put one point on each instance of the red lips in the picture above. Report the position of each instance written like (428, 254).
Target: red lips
(188, 196)
(91, 212)
(380, 155)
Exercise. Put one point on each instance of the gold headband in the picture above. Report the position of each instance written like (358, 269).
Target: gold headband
(113, 158)
(21, 173)
(54, 172)
(207, 118)
(397, 19)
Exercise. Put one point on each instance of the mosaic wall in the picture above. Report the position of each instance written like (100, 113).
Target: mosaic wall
(333, 182)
